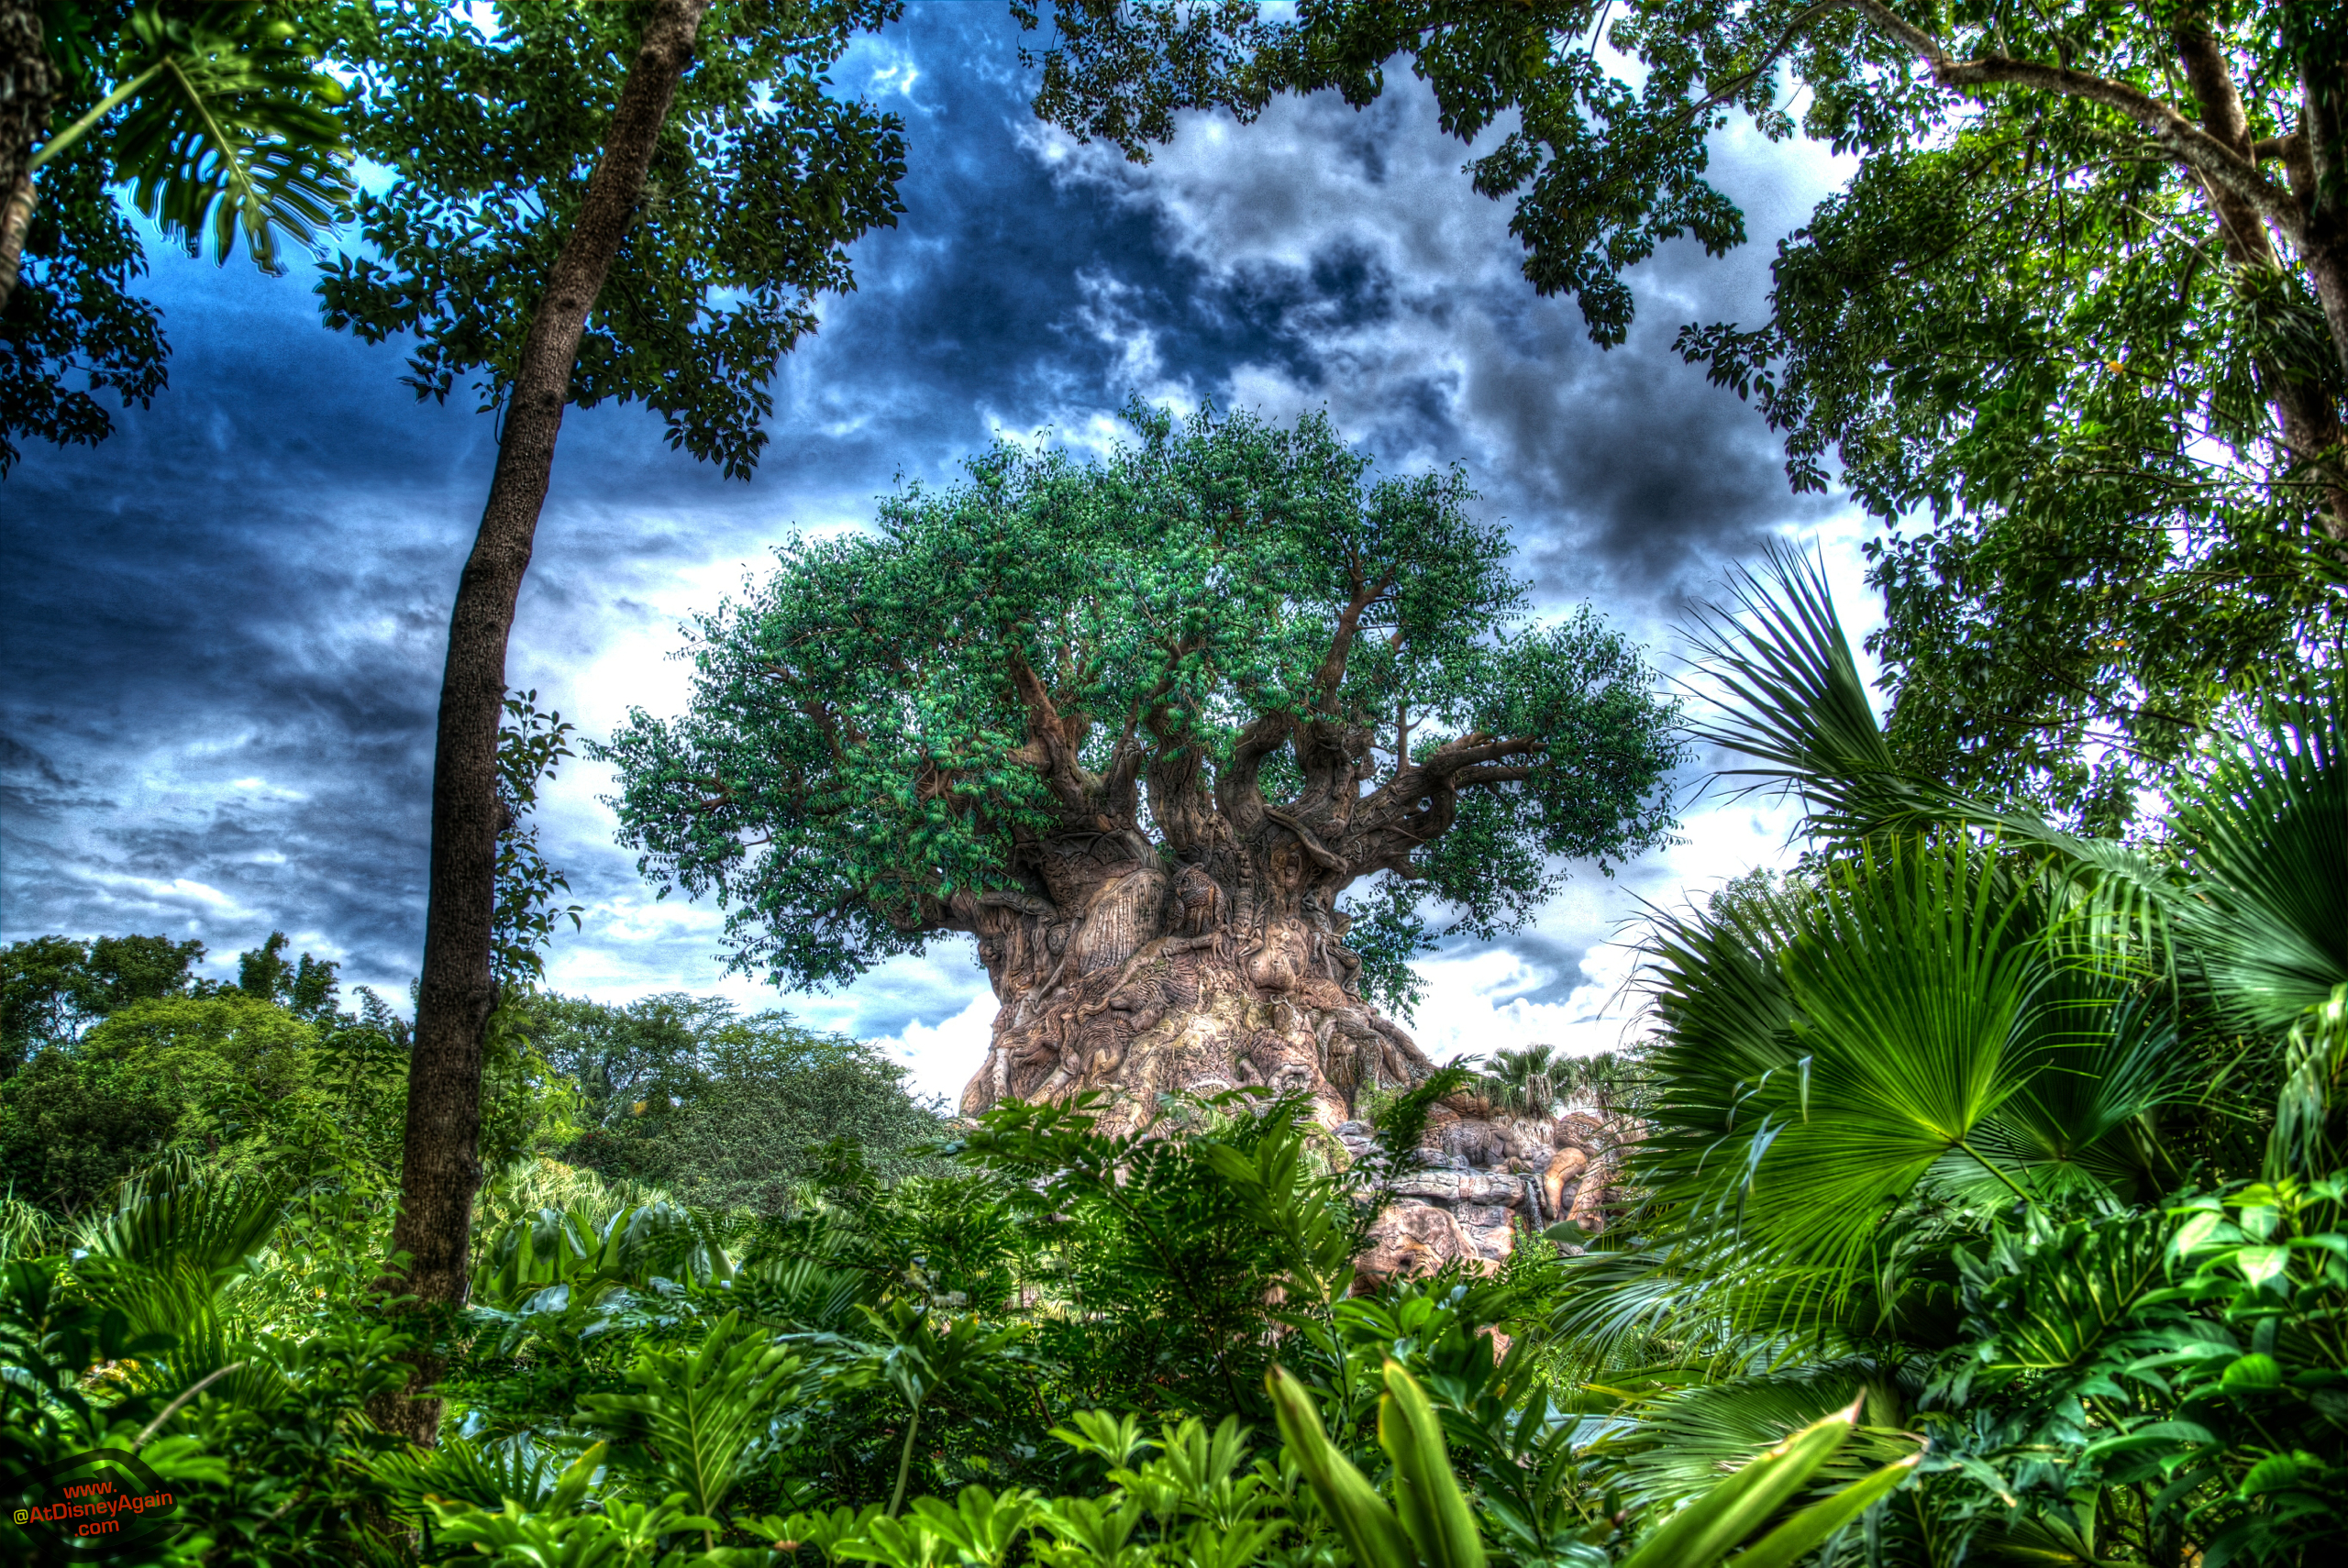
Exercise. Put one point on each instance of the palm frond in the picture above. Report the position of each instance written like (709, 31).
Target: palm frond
(226, 128)
(2267, 834)
(173, 1213)
(1789, 699)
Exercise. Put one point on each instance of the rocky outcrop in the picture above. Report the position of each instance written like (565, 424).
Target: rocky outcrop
(1485, 1181)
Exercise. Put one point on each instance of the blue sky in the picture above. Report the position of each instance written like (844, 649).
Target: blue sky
(221, 630)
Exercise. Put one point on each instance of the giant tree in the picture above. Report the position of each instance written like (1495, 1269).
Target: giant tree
(1137, 726)
(587, 202)
(2082, 309)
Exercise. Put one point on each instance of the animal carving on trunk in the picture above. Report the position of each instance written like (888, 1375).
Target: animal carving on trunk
(1153, 990)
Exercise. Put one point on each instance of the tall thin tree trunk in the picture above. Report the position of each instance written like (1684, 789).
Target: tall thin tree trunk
(440, 1166)
(27, 86)
(2320, 178)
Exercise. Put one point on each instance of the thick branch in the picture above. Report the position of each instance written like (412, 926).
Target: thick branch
(1418, 805)
(1049, 748)
(1237, 790)
(2222, 165)
(2321, 181)
(1333, 666)
(2305, 410)
(1313, 848)
(1177, 798)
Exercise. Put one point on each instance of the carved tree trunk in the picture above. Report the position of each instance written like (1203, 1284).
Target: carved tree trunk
(1139, 978)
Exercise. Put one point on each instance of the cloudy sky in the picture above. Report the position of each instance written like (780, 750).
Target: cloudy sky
(221, 630)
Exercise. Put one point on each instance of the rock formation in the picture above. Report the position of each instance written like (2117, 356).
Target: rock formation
(1486, 1177)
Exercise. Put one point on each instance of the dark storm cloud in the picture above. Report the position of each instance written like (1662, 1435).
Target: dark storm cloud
(1391, 293)
(223, 627)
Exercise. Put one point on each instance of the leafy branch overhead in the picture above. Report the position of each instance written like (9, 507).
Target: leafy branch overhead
(226, 125)
(2077, 320)
(761, 178)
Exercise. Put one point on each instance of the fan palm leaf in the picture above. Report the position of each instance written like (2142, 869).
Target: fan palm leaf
(1693, 1438)
(170, 1251)
(1788, 698)
(1911, 988)
(2265, 833)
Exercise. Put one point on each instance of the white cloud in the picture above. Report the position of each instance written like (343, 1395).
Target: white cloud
(943, 1055)
(130, 896)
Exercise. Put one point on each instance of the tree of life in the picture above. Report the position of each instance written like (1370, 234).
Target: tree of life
(1157, 730)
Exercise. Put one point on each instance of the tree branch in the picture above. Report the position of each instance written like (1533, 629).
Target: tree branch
(1237, 788)
(1047, 739)
(1488, 774)
(2205, 154)
(1333, 666)
(1304, 835)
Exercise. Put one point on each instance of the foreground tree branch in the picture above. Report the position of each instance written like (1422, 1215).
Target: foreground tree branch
(2219, 150)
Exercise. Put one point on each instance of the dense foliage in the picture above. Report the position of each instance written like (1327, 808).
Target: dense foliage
(1057, 1348)
(2034, 1143)
(215, 119)
(764, 175)
(1987, 1179)
(1989, 1206)
(686, 1094)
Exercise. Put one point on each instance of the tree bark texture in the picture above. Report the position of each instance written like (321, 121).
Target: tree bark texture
(440, 1169)
(2305, 409)
(27, 87)
(1220, 963)
(1231, 971)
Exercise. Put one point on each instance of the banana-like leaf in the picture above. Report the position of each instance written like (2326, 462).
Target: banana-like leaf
(1426, 1494)
(1368, 1526)
(1709, 1526)
(1793, 1540)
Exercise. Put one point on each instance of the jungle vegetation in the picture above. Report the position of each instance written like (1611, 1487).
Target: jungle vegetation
(1987, 1199)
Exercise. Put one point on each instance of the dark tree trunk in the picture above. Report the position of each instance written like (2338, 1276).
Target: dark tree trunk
(440, 1169)
(27, 86)
(2314, 159)
(2305, 407)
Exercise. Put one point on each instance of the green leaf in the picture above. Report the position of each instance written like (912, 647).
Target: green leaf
(1426, 1494)
(1708, 1525)
(2260, 1266)
(1368, 1526)
(1792, 1540)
